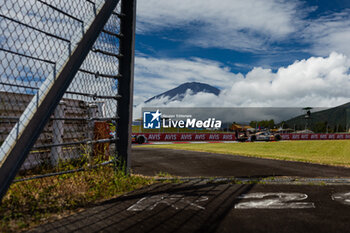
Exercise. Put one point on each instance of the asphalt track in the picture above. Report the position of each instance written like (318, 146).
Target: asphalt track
(150, 161)
(214, 206)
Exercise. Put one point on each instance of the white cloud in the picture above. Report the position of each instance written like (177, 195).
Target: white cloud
(249, 26)
(154, 76)
(241, 25)
(329, 33)
(317, 81)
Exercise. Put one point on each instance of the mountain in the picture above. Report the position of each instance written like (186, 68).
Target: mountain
(178, 93)
(337, 119)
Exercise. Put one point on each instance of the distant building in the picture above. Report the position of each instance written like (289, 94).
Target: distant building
(238, 127)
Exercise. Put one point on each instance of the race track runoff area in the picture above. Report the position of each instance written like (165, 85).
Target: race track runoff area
(208, 192)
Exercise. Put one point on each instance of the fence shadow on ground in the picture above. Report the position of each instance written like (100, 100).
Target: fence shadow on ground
(193, 206)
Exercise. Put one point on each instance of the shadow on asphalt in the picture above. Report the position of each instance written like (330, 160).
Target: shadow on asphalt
(184, 207)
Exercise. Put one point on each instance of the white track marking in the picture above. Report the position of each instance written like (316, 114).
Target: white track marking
(274, 201)
(343, 198)
(174, 200)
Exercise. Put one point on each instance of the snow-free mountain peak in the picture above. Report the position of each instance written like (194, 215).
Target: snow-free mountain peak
(178, 93)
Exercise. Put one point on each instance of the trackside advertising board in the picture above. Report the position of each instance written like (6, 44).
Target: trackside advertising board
(188, 136)
(296, 136)
(231, 137)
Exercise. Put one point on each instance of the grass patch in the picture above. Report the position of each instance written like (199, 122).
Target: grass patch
(330, 152)
(164, 175)
(30, 203)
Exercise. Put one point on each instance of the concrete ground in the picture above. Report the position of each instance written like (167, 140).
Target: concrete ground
(219, 206)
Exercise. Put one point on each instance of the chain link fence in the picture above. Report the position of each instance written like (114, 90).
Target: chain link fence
(38, 40)
(36, 35)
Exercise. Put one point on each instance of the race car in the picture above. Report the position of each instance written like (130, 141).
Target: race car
(140, 139)
(265, 136)
(259, 136)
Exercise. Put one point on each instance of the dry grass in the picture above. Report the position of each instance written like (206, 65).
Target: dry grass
(30, 203)
(330, 152)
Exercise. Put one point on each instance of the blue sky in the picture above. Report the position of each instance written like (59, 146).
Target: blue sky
(235, 44)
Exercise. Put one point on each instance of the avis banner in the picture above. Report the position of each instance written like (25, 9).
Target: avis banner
(231, 136)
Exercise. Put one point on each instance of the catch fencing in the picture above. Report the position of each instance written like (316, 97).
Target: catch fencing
(66, 79)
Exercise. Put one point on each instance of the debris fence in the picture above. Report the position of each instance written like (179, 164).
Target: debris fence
(65, 87)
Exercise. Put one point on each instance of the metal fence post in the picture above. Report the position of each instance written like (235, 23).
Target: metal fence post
(92, 113)
(126, 83)
(100, 109)
(57, 133)
(347, 120)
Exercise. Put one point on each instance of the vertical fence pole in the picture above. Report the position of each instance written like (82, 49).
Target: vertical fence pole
(57, 133)
(347, 120)
(126, 83)
(92, 113)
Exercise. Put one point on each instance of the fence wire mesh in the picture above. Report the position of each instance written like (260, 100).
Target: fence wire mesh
(37, 37)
